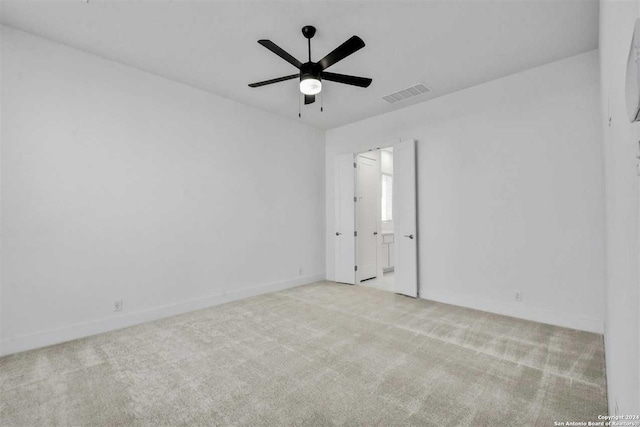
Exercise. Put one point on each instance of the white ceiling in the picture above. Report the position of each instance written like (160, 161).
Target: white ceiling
(212, 45)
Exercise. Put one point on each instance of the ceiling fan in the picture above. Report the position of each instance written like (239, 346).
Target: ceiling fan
(312, 74)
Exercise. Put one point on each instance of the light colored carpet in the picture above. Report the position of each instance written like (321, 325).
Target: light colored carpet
(323, 354)
(384, 283)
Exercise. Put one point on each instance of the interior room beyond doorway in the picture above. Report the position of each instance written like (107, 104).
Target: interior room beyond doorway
(374, 219)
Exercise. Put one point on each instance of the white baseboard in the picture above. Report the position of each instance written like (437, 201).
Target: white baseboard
(566, 320)
(85, 329)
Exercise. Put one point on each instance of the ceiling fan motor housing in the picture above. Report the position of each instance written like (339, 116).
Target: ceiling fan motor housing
(310, 70)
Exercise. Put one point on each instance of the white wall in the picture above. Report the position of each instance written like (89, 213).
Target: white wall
(117, 184)
(386, 161)
(386, 166)
(622, 324)
(510, 192)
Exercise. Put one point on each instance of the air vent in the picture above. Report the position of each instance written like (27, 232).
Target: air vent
(407, 93)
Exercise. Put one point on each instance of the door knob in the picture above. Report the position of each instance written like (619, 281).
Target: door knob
(337, 234)
(409, 236)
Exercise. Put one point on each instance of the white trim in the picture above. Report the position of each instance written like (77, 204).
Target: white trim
(566, 320)
(81, 330)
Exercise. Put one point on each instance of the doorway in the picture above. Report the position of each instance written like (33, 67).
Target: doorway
(374, 219)
(376, 239)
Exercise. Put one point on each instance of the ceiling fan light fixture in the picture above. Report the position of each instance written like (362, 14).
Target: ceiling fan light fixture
(310, 86)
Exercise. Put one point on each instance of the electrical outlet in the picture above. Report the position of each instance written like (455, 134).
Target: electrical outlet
(117, 306)
(518, 296)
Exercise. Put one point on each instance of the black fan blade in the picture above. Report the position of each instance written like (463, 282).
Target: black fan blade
(348, 80)
(280, 52)
(279, 79)
(352, 45)
(309, 99)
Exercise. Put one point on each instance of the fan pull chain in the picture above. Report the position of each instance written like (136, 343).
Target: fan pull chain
(321, 102)
(299, 113)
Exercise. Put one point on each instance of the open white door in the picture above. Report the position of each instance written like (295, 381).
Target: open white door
(345, 243)
(367, 214)
(404, 218)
